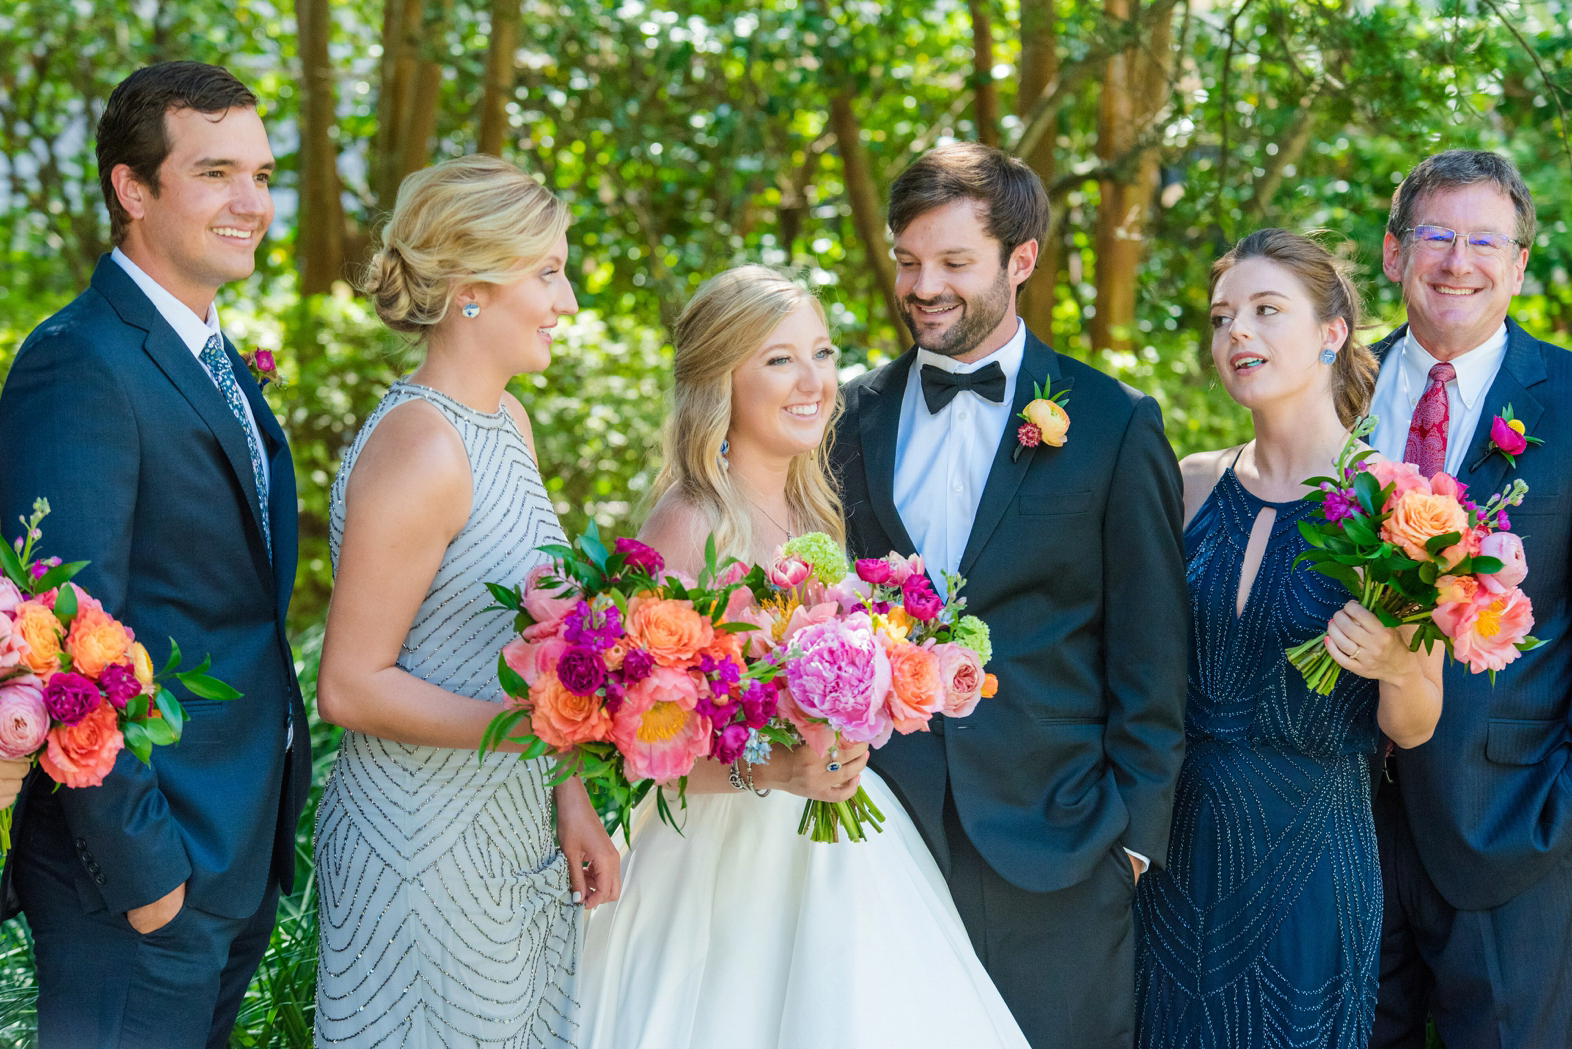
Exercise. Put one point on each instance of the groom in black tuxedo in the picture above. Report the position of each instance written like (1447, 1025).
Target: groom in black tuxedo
(151, 898)
(1044, 806)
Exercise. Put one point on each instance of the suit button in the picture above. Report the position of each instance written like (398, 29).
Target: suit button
(962, 728)
(99, 878)
(94, 869)
(81, 845)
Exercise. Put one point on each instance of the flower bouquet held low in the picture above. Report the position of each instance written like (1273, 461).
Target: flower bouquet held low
(75, 685)
(1418, 553)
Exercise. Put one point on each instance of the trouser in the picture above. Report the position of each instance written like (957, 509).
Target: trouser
(1063, 961)
(103, 985)
(1493, 979)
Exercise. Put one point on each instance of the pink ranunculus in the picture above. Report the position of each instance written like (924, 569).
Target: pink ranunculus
(24, 720)
(874, 570)
(1508, 549)
(787, 572)
(81, 755)
(842, 675)
(657, 728)
(961, 671)
(1405, 476)
(1506, 438)
(530, 659)
(550, 601)
(1486, 634)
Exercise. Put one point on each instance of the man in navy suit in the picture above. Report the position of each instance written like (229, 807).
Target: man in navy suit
(1475, 826)
(152, 897)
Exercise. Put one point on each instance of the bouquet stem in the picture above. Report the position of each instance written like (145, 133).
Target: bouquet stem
(5, 830)
(1312, 659)
(826, 818)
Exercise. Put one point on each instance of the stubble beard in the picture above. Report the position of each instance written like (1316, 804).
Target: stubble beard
(979, 317)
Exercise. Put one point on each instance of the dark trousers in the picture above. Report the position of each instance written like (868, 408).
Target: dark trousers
(103, 985)
(1063, 961)
(1495, 979)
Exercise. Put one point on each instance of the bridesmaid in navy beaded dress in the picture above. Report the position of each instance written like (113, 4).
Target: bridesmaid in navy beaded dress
(1263, 928)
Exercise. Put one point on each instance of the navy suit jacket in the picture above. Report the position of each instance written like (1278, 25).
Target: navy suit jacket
(1489, 797)
(109, 416)
(1075, 563)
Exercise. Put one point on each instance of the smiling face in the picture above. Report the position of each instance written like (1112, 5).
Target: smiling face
(1459, 296)
(954, 294)
(201, 229)
(782, 395)
(1266, 340)
(518, 317)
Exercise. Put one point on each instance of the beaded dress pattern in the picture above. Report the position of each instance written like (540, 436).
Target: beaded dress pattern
(1264, 929)
(446, 917)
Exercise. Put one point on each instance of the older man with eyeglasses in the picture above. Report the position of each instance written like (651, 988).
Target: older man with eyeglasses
(1475, 826)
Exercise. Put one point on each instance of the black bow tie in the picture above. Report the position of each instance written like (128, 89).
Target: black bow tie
(939, 387)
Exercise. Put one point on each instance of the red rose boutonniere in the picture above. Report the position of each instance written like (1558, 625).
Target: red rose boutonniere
(1510, 437)
(1046, 421)
(264, 368)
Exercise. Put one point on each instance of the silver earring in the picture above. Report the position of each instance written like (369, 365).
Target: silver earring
(725, 447)
(471, 310)
(1328, 355)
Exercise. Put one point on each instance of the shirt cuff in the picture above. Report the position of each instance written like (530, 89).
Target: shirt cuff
(1138, 858)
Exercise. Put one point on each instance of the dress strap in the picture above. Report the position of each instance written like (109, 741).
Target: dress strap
(1237, 455)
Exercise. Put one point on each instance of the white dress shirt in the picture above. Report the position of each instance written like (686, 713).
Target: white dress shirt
(1404, 375)
(190, 329)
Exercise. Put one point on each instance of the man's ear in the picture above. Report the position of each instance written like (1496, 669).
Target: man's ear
(130, 191)
(1023, 260)
(1392, 258)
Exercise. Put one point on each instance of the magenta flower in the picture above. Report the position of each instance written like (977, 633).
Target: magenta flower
(919, 599)
(119, 684)
(838, 673)
(265, 361)
(70, 697)
(640, 556)
(581, 670)
(729, 743)
(1507, 438)
(873, 570)
(758, 704)
(598, 630)
(1339, 505)
(636, 666)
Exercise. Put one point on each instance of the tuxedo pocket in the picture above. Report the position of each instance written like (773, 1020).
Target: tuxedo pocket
(1511, 741)
(1535, 505)
(1050, 503)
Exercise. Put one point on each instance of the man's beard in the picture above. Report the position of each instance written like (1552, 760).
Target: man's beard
(979, 317)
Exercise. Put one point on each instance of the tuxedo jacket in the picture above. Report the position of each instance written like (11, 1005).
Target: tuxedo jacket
(108, 415)
(1489, 796)
(1075, 563)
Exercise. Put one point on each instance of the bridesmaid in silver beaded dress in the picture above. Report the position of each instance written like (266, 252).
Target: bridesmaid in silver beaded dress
(452, 890)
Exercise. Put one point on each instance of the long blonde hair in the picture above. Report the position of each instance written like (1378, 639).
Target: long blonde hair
(724, 324)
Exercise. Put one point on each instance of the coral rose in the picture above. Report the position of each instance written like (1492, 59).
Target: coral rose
(1052, 421)
(81, 755)
(671, 630)
(960, 669)
(1508, 549)
(657, 728)
(563, 718)
(24, 721)
(916, 691)
(1420, 516)
(96, 639)
(37, 626)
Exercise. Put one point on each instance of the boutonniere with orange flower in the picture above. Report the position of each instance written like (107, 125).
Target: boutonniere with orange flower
(264, 367)
(1046, 421)
(1510, 437)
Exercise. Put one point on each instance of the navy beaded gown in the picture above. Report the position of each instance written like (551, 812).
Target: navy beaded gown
(1264, 929)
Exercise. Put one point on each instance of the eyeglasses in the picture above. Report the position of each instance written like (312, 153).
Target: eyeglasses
(1439, 238)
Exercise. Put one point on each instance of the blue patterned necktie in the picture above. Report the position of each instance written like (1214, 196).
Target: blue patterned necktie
(216, 361)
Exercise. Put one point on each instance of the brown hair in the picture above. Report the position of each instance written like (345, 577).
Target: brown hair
(1007, 188)
(1462, 167)
(1333, 294)
(132, 130)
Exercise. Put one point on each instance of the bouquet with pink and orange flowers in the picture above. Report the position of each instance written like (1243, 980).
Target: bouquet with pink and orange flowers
(864, 653)
(1418, 553)
(76, 687)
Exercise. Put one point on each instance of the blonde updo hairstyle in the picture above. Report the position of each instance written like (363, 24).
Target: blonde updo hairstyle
(724, 325)
(469, 220)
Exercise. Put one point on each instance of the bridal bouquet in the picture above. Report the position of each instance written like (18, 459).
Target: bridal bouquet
(75, 685)
(864, 653)
(626, 674)
(1422, 553)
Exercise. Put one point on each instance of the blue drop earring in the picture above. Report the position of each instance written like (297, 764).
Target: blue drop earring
(725, 447)
(471, 310)
(1328, 355)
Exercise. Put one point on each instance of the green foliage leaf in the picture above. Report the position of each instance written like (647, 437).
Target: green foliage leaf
(511, 680)
(60, 574)
(506, 597)
(205, 686)
(1437, 543)
(65, 604)
(171, 709)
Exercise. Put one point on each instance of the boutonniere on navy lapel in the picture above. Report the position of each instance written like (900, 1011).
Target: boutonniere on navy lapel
(1510, 437)
(1046, 421)
(264, 368)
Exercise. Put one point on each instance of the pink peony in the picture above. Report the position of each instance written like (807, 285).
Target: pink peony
(657, 728)
(24, 720)
(960, 669)
(1486, 630)
(841, 675)
(81, 755)
(1507, 438)
(1405, 476)
(549, 601)
(1508, 549)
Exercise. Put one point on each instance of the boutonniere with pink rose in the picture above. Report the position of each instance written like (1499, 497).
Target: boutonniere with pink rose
(1046, 420)
(264, 367)
(1510, 437)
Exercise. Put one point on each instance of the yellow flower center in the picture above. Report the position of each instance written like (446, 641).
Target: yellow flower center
(1489, 624)
(780, 609)
(1516, 424)
(661, 723)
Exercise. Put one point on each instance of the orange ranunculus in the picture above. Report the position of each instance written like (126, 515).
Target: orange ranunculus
(671, 630)
(563, 719)
(725, 645)
(617, 652)
(1050, 418)
(81, 755)
(1420, 516)
(916, 690)
(37, 625)
(990, 686)
(96, 640)
(142, 666)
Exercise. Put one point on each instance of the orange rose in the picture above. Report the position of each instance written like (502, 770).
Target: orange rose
(916, 690)
(1419, 516)
(38, 626)
(81, 755)
(671, 630)
(96, 640)
(1052, 420)
(563, 719)
(725, 645)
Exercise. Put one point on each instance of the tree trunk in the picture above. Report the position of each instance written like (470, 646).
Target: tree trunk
(985, 99)
(1039, 68)
(407, 106)
(319, 245)
(500, 70)
(863, 194)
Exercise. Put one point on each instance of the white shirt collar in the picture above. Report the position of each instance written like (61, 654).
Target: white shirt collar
(1008, 356)
(194, 331)
(1476, 369)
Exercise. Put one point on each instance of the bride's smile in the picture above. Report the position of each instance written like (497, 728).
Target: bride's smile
(782, 396)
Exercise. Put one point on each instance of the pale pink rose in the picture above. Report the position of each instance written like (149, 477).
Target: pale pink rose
(657, 728)
(24, 720)
(12, 647)
(1405, 476)
(1508, 549)
(960, 669)
(551, 601)
(10, 596)
(1485, 633)
(530, 659)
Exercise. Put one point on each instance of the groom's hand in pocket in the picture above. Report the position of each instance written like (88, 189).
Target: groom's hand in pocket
(594, 867)
(154, 916)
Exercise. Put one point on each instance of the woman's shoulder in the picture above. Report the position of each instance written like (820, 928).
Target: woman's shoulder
(1201, 471)
(677, 527)
(414, 445)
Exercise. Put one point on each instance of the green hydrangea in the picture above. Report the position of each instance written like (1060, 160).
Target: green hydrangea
(820, 553)
(973, 633)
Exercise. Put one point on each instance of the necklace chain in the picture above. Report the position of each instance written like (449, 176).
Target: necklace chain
(768, 516)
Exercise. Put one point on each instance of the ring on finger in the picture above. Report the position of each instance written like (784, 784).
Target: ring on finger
(834, 766)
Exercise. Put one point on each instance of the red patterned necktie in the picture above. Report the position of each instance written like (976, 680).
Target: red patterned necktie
(1426, 446)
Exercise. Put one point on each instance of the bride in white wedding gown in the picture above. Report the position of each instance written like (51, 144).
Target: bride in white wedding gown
(739, 933)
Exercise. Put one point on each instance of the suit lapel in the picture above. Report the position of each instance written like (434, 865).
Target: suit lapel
(1039, 366)
(1522, 367)
(879, 429)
